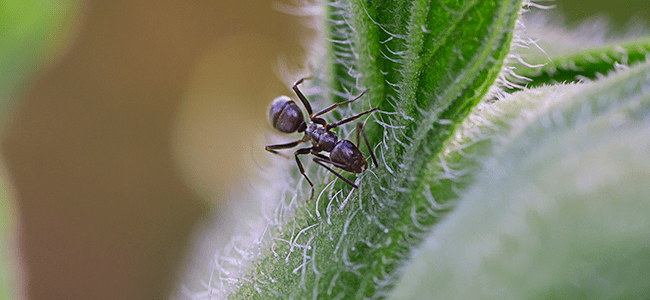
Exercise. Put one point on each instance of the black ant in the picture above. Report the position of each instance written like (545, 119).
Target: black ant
(287, 117)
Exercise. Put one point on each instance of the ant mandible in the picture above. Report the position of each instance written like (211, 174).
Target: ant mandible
(287, 117)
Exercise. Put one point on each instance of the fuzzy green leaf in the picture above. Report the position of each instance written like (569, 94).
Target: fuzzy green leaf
(588, 64)
(559, 209)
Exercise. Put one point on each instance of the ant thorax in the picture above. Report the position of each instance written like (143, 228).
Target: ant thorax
(322, 139)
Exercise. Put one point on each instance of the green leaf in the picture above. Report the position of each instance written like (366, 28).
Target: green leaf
(426, 64)
(588, 64)
(559, 209)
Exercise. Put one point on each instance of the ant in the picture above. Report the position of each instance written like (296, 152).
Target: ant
(287, 117)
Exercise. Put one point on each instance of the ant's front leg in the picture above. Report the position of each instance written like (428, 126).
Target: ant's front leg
(302, 97)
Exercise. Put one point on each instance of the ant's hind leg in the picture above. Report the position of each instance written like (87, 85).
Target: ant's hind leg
(365, 138)
(320, 161)
(302, 170)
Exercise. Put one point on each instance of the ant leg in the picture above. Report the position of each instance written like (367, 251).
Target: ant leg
(350, 119)
(335, 105)
(302, 98)
(359, 128)
(328, 160)
(272, 148)
(365, 138)
(302, 170)
(320, 156)
(320, 161)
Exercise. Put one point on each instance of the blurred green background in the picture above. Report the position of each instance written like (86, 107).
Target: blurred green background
(126, 122)
(620, 13)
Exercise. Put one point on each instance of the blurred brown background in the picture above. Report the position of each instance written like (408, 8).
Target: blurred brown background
(138, 130)
(114, 147)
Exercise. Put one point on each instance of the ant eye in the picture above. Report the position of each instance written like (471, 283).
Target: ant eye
(285, 115)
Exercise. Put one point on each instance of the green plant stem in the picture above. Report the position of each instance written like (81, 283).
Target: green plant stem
(426, 65)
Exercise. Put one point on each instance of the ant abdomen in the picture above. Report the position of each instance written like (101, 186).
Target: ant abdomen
(285, 115)
(347, 154)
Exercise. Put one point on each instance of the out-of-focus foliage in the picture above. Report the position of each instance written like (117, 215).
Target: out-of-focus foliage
(32, 34)
(10, 285)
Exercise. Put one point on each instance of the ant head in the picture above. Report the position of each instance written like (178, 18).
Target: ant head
(285, 115)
